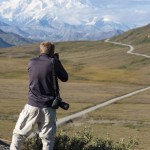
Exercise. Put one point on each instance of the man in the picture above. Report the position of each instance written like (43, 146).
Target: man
(40, 98)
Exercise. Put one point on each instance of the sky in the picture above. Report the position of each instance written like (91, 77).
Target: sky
(125, 11)
(130, 11)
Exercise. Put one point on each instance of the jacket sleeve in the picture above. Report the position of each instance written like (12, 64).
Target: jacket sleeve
(60, 71)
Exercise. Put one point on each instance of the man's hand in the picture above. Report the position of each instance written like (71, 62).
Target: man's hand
(56, 55)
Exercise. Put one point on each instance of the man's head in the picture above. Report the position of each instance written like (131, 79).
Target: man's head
(47, 48)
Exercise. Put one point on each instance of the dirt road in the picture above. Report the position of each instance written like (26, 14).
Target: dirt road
(131, 48)
(111, 101)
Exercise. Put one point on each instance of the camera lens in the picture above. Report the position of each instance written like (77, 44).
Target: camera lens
(64, 105)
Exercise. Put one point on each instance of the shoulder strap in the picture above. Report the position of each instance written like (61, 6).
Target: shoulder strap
(54, 77)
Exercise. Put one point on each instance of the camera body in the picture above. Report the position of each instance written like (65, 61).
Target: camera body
(59, 103)
(56, 55)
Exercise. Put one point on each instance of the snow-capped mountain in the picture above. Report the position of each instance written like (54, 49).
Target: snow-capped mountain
(27, 11)
(57, 20)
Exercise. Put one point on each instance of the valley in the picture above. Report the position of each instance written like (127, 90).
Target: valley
(98, 71)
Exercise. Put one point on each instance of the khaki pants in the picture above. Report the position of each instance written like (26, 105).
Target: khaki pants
(45, 118)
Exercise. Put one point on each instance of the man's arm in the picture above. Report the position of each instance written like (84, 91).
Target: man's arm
(60, 71)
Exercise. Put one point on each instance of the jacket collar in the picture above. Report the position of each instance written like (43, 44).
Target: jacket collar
(44, 55)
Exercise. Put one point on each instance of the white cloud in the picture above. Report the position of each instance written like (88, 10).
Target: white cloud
(140, 12)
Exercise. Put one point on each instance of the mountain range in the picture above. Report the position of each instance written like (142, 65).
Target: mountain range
(4, 44)
(56, 20)
(12, 39)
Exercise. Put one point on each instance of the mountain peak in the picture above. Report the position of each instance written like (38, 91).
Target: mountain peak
(42, 19)
(27, 10)
(106, 19)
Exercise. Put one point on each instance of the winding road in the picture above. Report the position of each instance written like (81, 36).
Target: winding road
(79, 114)
(131, 48)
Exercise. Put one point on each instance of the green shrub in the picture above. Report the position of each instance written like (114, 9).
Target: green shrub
(33, 144)
(82, 141)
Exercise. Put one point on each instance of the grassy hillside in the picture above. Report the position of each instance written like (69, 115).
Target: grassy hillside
(139, 37)
(85, 61)
(127, 118)
(98, 71)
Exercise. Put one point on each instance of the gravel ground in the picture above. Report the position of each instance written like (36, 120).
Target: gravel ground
(4, 146)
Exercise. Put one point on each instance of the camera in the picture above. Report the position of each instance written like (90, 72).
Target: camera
(59, 103)
(56, 55)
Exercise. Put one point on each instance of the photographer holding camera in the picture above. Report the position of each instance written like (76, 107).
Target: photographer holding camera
(43, 98)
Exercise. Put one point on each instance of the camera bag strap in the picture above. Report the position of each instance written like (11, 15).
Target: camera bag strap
(54, 77)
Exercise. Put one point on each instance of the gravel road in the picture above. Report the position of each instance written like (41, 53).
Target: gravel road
(111, 101)
(131, 48)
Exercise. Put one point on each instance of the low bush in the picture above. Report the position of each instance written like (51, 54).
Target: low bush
(82, 141)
